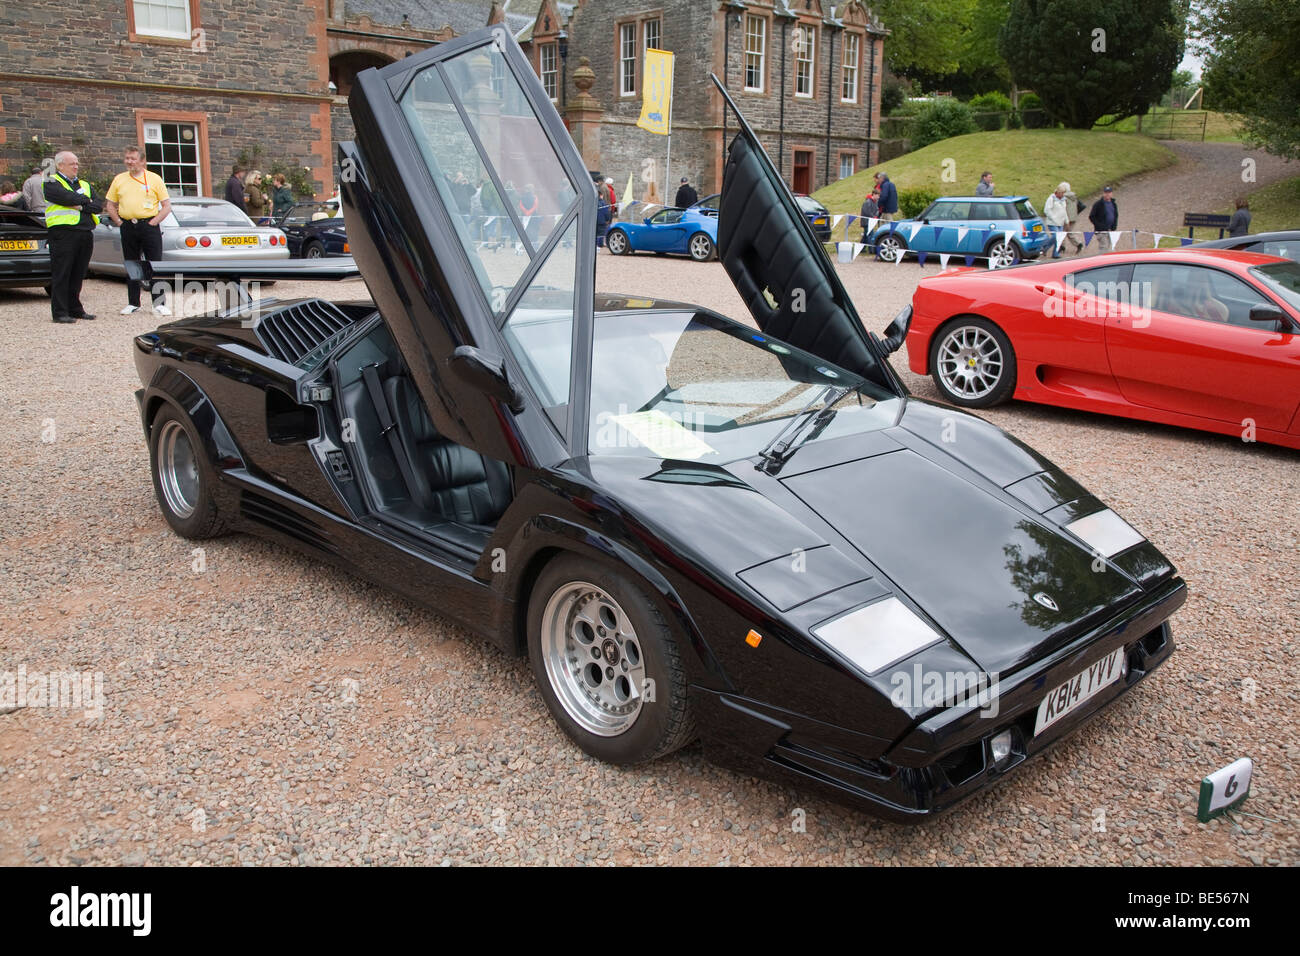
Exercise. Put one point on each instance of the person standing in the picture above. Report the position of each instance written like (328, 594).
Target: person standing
(1104, 217)
(888, 196)
(70, 211)
(254, 198)
(1239, 224)
(686, 196)
(1059, 210)
(235, 187)
(137, 202)
(34, 191)
(281, 197)
(870, 210)
(985, 187)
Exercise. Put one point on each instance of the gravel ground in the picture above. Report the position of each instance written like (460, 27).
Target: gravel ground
(268, 709)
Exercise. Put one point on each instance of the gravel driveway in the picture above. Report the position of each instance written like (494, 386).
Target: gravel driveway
(263, 708)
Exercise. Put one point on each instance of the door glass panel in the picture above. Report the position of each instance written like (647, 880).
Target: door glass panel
(1199, 293)
(539, 331)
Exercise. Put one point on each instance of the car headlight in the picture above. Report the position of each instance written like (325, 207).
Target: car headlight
(877, 635)
(1105, 532)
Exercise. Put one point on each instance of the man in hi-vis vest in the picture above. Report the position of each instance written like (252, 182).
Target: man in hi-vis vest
(70, 225)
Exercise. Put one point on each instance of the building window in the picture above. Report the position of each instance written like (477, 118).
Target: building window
(755, 52)
(162, 18)
(849, 85)
(172, 151)
(550, 71)
(652, 35)
(805, 49)
(848, 164)
(627, 59)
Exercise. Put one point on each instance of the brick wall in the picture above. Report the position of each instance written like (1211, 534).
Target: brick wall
(257, 74)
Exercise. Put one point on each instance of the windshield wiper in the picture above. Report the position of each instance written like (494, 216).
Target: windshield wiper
(787, 440)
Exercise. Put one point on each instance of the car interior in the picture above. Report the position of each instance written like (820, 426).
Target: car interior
(413, 477)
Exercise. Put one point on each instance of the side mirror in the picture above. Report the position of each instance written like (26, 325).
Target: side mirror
(896, 332)
(473, 368)
(1269, 313)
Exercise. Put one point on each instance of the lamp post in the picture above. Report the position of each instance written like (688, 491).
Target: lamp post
(562, 44)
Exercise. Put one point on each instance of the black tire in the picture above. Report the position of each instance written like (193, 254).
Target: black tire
(890, 246)
(313, 250)
(1007, 251)
(174, 448)
(662, 724)
(970, 338)
(617, 242)
(700, 246)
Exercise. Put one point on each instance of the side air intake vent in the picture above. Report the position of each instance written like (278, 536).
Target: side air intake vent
(275, 516)
(292, 333)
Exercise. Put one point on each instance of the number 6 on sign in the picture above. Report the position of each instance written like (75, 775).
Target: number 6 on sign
(1225, 789)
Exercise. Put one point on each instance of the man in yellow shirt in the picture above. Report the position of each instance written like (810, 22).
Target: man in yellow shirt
(137, 202)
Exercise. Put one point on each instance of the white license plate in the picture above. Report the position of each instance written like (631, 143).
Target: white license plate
(1078, 690)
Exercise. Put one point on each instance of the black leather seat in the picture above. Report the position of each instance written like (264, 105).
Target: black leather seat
(452, 481)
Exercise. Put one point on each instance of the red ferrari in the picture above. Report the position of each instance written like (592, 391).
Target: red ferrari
(1203, 339)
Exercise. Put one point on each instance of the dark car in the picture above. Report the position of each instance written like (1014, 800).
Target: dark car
(819, 217)
(314, 230)
(693, 527)
(24, 251)
(1285, 244)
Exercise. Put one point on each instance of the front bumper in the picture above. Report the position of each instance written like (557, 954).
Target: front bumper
(943, 760)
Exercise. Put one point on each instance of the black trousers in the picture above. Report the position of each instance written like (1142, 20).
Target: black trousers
(138, 237)
(70, 250)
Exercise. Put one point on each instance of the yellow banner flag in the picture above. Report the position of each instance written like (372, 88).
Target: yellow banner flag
(657, 90)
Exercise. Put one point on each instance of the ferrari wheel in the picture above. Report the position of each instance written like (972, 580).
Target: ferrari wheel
(701, 247)
(182, 480)
(890, 247)
(607, 663)
(1002, 253)
(617, 243)
(313, 250)
(973, 364)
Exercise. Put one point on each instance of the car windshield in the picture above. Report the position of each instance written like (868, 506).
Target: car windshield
(697, 387)
(1282, 279)
(209, 214)
(808, 204)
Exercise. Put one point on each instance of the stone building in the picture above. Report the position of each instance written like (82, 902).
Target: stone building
(200, 81)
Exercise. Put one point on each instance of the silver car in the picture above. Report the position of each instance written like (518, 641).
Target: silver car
(198, 228)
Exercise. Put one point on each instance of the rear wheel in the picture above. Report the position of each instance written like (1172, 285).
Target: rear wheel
(617, 242)
(700, 247)
(182, 480)
(972, 363)
(607, 663)
(313, 250)
(890, 247)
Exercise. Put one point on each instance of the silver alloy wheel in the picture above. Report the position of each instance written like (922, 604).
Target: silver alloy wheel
(314, 251)
(701, 247)
(970, 362)
(890, 249)
(593, 658)
(617, 242)
(1002, 254)
(178, 470)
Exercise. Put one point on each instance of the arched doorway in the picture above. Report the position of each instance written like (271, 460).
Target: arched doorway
(345, 66)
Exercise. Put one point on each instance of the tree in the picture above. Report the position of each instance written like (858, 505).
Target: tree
(925, 35)
(1252, 67)
(1088, 58)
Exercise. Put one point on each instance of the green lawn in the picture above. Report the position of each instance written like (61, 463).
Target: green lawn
(1029, 162)
(1219, 127)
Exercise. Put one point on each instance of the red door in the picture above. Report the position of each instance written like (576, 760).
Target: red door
(1193, 350)
(803, 160)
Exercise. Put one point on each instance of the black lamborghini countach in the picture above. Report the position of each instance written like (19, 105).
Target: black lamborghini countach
(695, 528)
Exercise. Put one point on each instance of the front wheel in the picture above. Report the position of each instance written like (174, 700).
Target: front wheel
(1002, 253)
(891, 247)
(313, 250)
(617, 243)
(182, 480)
(973, 364)
(607, 663)
(700, 247)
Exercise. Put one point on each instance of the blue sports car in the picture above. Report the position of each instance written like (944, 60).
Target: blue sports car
(685, 232)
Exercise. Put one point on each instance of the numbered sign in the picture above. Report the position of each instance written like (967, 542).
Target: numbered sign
(1224, 789)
